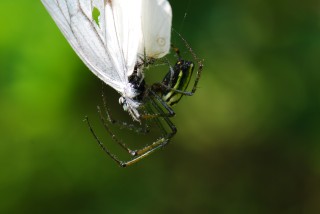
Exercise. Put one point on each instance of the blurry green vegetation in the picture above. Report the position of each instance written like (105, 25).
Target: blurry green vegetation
(247, 142)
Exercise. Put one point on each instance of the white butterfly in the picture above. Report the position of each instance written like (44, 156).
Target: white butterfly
(112, 45)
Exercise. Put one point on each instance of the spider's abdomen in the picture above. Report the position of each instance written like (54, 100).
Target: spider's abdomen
(177, 78)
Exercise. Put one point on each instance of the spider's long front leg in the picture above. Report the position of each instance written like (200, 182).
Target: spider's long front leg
(119, 162)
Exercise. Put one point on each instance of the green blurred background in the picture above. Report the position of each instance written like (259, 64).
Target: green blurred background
(248, 141)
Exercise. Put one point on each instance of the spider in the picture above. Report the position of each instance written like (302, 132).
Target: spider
(158, 100)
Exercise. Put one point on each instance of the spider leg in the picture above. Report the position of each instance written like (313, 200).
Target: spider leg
(160, 143)
(140, 153)
(166, 135)
(113, 136)
(169, 113)
(187, 93)
(121, 163)
(113, 157)
(199, 62)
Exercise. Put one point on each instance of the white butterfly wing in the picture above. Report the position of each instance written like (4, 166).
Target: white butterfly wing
(156, 26)
(123, 32)
(108, 48)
